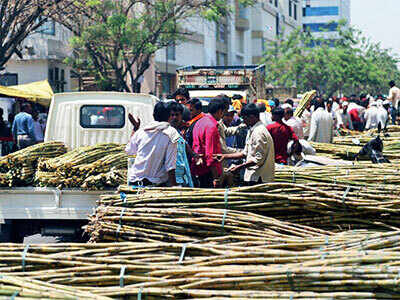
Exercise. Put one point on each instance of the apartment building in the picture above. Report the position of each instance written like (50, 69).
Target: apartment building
(237, 40)
(321, 17)
(43, 55)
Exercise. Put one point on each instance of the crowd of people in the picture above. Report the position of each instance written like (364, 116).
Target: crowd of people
(236, 143)
(21, 130)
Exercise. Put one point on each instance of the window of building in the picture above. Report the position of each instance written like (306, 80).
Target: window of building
(240, 41)
(239, 60)
(276, 3)
(290, 8)
(221, 32)
(318, 27)
(277, 24)
(320, 11)
(48, 27)
(56, 79)
(8, 79)
(263, 45)
(222, 59)
(171, 51)
(295, 11)
(101, 116)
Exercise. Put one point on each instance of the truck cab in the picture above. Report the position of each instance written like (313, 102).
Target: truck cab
(89, 118)
(77, 119)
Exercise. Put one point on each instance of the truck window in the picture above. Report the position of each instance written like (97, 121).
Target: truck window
(102, 116)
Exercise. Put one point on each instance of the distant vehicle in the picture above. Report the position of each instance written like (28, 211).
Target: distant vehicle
(206, 82)
(77, 119)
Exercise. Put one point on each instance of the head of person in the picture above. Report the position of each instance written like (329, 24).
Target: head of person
(26, 107)
(392, 83)
(161, 112)
(319, 105)
(226, 100)
(277, 114)
(216, 108)
(195, 107)
(250, 114)
(290, 102)
(228, 116)
(261, 107)
(277, 102)
(329, 105)
(176, 112)
(237, 97)
(181, 95)
(288, 111)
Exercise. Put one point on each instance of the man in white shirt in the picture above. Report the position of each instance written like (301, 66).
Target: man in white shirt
(292, 121)
(343, 117)
(322, 126)
(382, 115)
(371, 116)
(394, 97)
(155, 147)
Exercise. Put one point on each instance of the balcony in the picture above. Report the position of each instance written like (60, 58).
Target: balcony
(242, 24)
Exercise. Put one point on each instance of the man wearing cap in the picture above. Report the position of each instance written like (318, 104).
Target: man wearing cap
(292, 121)
(394, 97)
(265, 116)
(344, 118)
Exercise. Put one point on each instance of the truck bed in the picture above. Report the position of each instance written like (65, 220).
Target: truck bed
(47, 203)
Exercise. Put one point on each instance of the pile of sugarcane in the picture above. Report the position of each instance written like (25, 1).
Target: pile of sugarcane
(93, 167)
(327, 206)
(357, 174)
(13, 287)
(189, 225)
(18, 168)
(188, 271)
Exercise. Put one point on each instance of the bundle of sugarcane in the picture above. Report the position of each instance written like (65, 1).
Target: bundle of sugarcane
(326, 206)
(348, 152)
(171, 293)
(307, 97)
(21, 165)
(92, 167)
(114, 178)
(189, 225)
(13, 287)
(359, 174)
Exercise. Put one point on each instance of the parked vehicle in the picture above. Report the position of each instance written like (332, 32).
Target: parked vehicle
(77, 119)
(206, 82)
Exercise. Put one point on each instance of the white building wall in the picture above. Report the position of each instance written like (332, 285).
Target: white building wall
(41, 52)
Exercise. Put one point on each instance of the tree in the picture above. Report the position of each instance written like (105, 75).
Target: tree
(348, 64)
(115, 40)
(19, 19)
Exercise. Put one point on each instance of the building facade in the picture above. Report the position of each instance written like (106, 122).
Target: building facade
(321, 17)
(236, 40)
(43, 55)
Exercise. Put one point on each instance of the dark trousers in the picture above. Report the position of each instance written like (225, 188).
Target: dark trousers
(205, 181)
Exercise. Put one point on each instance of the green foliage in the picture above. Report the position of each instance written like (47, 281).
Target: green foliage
(115, 40)
(349, 64)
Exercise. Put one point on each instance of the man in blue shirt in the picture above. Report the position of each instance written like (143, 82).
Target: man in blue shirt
(182, 171)
(23, 127)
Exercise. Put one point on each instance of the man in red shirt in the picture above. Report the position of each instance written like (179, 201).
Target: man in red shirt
(206, 143)
(281, 135)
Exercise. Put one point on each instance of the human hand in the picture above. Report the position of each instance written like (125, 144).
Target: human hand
(135, 123)
(219, 157)
(198, 159)
(233, 169)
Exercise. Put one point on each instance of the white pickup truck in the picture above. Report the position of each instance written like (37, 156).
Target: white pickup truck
(77, 119)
